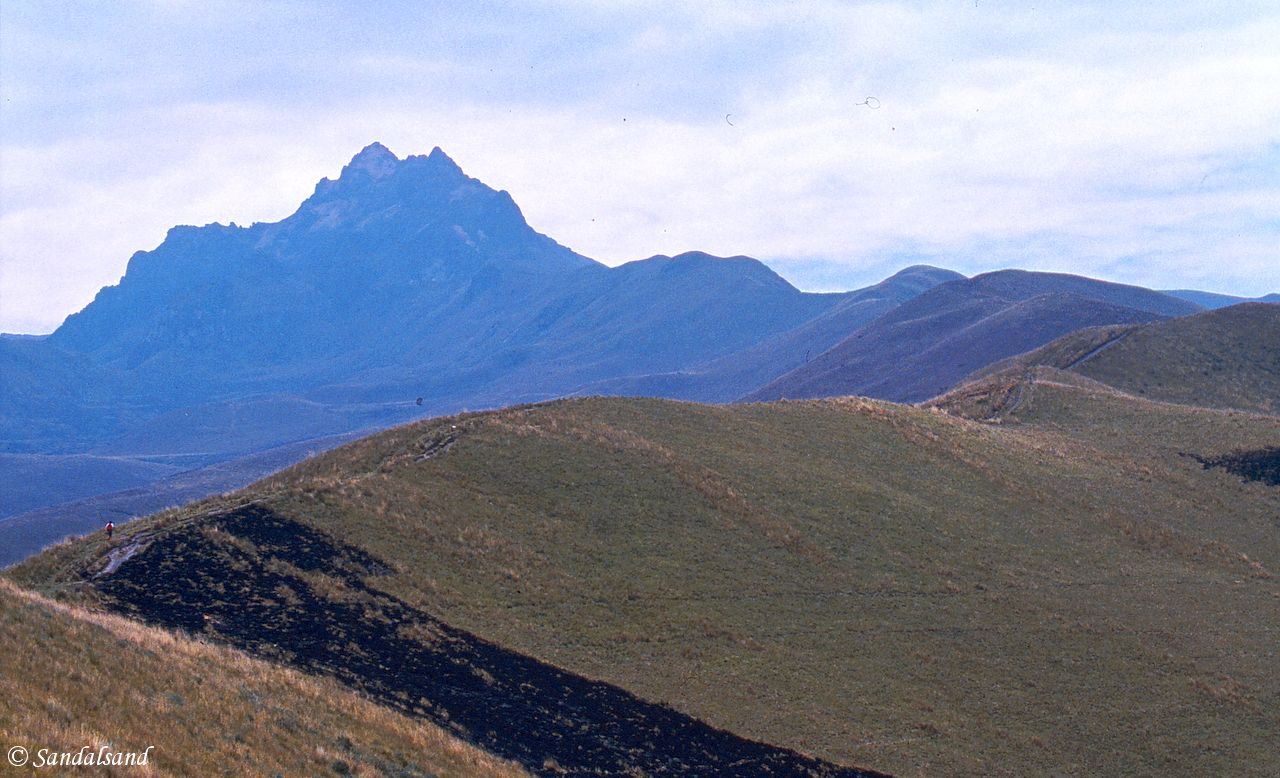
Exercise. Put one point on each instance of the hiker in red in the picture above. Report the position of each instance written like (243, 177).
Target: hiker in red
(110, 528)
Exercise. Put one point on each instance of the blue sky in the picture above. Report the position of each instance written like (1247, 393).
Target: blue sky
(1138, 142)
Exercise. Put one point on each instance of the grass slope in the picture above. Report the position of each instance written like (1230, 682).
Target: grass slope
(72, 678)
(1225, 358)
(282, 590)
(893, 587)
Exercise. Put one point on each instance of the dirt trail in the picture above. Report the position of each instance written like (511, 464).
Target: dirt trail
(119, 556)
(1018, 395)
(1096, 351)
(438, 446)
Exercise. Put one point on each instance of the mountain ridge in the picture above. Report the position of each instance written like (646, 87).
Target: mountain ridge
(405, 288)
(931, 342)
(721, 379)
(399, 289)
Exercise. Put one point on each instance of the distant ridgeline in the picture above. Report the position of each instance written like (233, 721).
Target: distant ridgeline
(406, 288)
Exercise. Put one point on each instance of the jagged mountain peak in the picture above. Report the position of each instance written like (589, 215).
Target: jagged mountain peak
(386, 229)
(375, 166)
(439, 159)
(374, 160)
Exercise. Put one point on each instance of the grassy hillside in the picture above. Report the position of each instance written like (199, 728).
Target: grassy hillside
(893, 587)
(1225, 358)
(71, 678)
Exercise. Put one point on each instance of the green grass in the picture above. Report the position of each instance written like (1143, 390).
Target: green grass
(880, 585)
(1226, 358)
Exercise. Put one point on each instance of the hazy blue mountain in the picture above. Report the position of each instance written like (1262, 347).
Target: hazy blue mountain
(25, 533)
(402, 288)
(1209, 300)
(1213, 300)
(723, 379)
(403, 279)
(52, 399)
(29, 478)
(926, 345)
(373, 261)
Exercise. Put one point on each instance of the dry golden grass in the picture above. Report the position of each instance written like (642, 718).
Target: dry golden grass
(71, 678)
(874, 584)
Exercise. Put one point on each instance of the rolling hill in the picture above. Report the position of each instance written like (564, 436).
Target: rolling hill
(1072, 590)
(1224, 358)
(928, 344)
(1212, 300)
(205, 709)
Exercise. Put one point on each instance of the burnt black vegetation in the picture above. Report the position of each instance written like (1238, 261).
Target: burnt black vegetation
(283, 590)
(1260, 465)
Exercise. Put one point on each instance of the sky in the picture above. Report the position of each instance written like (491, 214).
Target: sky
(837, 141)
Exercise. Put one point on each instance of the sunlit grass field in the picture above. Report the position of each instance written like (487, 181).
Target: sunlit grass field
(1067, 591)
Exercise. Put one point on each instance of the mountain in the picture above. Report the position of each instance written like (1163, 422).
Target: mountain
(203, 709)
(401, 289)
(1209, 300)
(402, 279)
(367, 244)
(723, 379)
(928, 344)
(394, 258)
(29, 476)
(863, 582)
(658, 314)
(1213, 300)
(1223, 358)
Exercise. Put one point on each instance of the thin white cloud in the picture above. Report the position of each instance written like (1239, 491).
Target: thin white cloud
(1094, 139)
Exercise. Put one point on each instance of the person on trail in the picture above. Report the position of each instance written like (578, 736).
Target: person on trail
(110, 528)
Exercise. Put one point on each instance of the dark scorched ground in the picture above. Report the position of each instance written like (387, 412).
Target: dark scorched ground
(285, 591)
(1261, 465)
